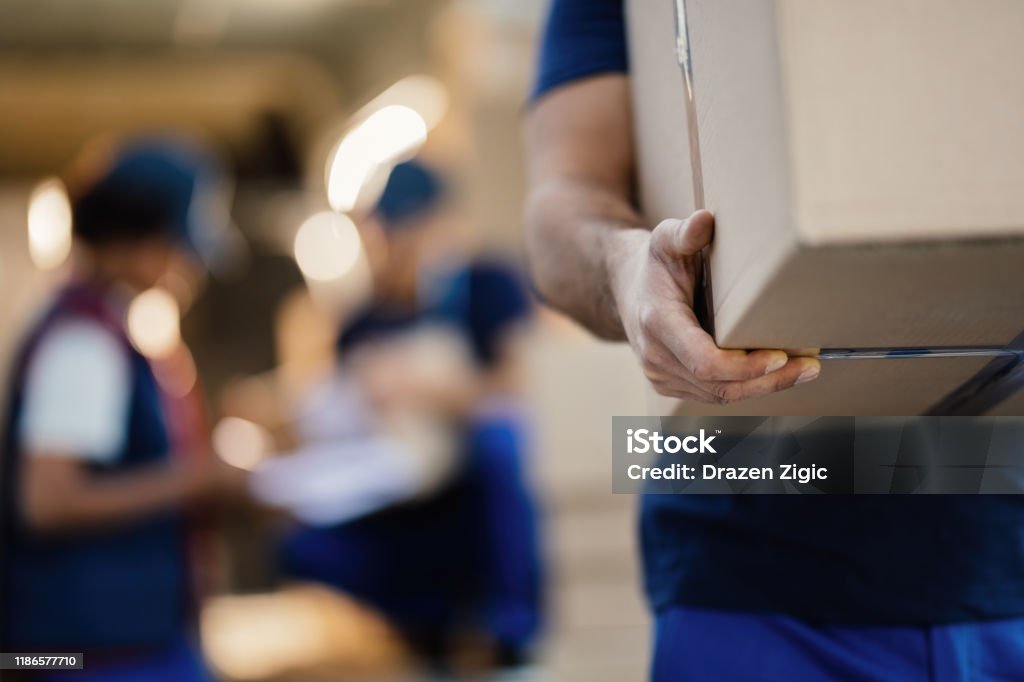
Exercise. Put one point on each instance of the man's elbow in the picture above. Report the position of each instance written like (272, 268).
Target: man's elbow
(540, 244)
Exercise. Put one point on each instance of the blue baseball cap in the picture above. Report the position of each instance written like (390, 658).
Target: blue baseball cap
(412, 191)
(156, 186)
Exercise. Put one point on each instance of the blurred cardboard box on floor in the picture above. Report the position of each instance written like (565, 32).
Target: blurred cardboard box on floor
(864, 161)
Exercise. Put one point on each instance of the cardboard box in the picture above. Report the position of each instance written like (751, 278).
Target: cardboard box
(883, 387)
(865, 161)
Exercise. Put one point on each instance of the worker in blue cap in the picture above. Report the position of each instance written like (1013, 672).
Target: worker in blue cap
(96, 495)
(467, 557)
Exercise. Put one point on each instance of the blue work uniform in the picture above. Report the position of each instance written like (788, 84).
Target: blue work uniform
(487, 300)
(120, 595)
(470, 551)
(813, 588)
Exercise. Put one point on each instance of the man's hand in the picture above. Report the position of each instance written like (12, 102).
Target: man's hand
(591, 261)
(654, 278)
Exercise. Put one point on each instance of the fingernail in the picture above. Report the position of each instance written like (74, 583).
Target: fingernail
(776, 364)
(809, 374)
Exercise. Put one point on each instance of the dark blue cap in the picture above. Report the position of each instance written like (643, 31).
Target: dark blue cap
(151, 186)
(412, 191)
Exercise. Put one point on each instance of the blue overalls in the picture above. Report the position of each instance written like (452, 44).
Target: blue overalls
(472, 551)
(917, 588)
(120, 595)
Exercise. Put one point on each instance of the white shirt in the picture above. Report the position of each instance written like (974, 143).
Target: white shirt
(77, 394)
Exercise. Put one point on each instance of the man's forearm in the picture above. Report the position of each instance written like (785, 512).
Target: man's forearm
(578, 236)
(63, 496)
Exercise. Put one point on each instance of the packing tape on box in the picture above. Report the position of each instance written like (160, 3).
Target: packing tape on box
(994, 383)
(703, 301)
(685, 63)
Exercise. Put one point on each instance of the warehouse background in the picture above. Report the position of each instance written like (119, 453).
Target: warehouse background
(276, 86)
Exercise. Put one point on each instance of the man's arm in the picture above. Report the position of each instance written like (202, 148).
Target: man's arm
(592, 257)
(578, 209)
(59, 494)
(75, 416)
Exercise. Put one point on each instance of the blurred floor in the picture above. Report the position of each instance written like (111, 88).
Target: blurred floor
(601, 627)
(603, 630)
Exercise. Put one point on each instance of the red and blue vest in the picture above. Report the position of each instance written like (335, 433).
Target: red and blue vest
(121, 588)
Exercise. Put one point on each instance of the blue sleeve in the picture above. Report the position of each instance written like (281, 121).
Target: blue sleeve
(582, 38)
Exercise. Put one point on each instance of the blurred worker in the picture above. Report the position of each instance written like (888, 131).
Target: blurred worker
(100, 463)
(748, 587)
(469, 550)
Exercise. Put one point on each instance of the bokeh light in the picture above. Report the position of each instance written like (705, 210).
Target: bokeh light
(327, 246)
(240, 442)
(424, 94)
(49, 224)
(387, 135)
(154, 321)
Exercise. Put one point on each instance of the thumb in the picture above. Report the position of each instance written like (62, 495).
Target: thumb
(681, 239)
